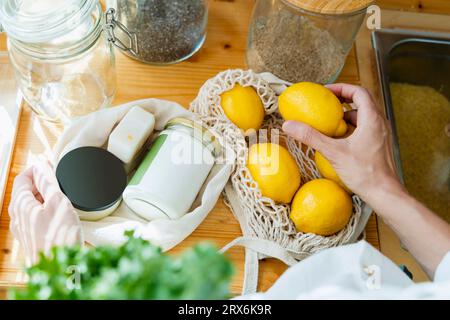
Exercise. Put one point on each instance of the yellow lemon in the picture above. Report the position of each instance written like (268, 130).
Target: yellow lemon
(243, 106)
(321, 207)
(275, 171)
(314, 105)
(326, 170)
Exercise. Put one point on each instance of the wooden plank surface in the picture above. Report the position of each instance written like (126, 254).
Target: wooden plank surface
(224, 49)
(428, 6)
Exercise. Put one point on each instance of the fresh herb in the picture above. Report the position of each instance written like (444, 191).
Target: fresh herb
(135, 270)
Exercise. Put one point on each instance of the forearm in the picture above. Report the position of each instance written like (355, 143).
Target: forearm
(423, 233)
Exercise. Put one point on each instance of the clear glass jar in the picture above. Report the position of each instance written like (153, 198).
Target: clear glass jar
(297, 44)
(160, 31)
(63, 60)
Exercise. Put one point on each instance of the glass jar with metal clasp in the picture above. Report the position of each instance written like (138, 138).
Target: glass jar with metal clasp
(159, 32)
(62, 56)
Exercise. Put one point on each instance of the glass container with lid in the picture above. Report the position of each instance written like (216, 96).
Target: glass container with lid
(159, 31)
(174, 171)
(303, 40)
(63, 60)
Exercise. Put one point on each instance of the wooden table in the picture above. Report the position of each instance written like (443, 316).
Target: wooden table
(224, 49)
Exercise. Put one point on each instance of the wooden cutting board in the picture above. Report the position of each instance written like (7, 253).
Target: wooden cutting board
(224, 48)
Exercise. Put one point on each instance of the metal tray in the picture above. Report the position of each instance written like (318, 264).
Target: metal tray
(417, 58)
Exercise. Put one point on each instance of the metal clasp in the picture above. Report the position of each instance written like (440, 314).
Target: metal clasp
(111, 24)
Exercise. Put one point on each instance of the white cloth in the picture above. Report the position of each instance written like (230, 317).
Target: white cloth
(41, 215)
(356, 271)
(94, 130)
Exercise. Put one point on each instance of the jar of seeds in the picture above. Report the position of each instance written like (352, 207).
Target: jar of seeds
(158, 31)
(303, 40)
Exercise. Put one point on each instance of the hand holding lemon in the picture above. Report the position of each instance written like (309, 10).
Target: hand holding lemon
(314, 105)
(321, 206)
(362, 159)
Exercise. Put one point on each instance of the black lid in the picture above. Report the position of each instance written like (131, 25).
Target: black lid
(92, 178)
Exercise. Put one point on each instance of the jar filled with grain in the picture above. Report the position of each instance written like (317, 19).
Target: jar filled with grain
(303, 40)
(158, 31)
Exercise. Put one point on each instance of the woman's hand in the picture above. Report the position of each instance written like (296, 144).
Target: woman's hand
(41, 215)
(364, 163)
(363, 160)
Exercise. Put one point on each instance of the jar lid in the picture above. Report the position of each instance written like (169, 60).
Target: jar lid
(331, 6)
(92, 178)
(34, 21)
(208, 139)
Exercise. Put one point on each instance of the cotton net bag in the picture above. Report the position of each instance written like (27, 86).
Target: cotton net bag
(266, 227)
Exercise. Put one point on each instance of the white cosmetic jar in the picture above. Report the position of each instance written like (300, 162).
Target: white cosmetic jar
(173, 172)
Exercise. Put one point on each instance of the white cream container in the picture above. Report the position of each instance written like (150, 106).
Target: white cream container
(170, 177)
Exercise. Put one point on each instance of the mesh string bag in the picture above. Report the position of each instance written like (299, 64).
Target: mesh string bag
(266, 227)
